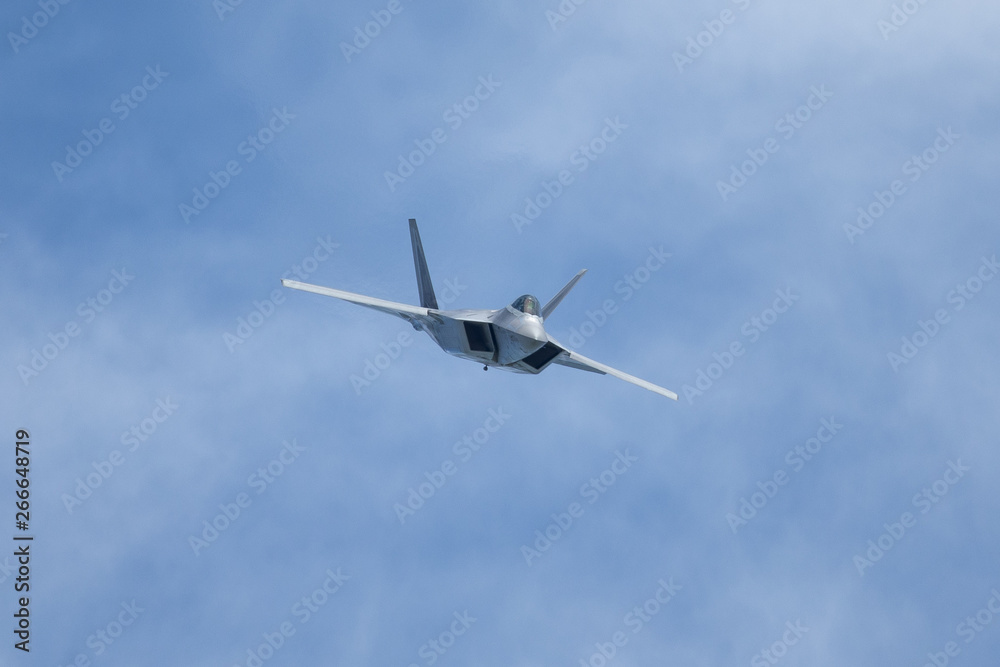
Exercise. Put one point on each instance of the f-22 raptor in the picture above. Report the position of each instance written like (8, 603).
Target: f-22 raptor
(512, 338)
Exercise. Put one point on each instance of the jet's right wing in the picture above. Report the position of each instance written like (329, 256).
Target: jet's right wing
(409, 313)
(576, 360)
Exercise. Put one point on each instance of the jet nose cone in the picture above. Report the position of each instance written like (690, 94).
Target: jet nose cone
(531, 327)
(519, 337)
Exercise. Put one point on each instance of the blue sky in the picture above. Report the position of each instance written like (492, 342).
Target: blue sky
(823, 492)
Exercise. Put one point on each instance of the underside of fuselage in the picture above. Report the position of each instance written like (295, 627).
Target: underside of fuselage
(499, 338)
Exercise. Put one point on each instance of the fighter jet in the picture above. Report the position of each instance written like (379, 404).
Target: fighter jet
(512, 338)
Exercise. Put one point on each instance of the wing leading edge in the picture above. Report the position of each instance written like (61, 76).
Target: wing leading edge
(576, 360)
(405, 311)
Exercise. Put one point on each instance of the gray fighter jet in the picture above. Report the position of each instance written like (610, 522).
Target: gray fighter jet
(512, 338)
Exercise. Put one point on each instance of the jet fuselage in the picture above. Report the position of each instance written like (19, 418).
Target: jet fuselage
(503, 338)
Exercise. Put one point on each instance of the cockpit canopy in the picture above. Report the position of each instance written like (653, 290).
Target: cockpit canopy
(527, 304)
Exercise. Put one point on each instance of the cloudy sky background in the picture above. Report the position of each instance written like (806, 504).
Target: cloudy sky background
(364, 449)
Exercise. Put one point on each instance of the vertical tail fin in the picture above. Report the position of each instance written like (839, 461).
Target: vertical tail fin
(554, 301)
(424, 286)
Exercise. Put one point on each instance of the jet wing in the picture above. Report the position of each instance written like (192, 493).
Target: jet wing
(409, 313)
(576, 360)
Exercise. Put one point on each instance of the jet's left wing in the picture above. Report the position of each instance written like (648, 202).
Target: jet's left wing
(409, 313)
(576, 360)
